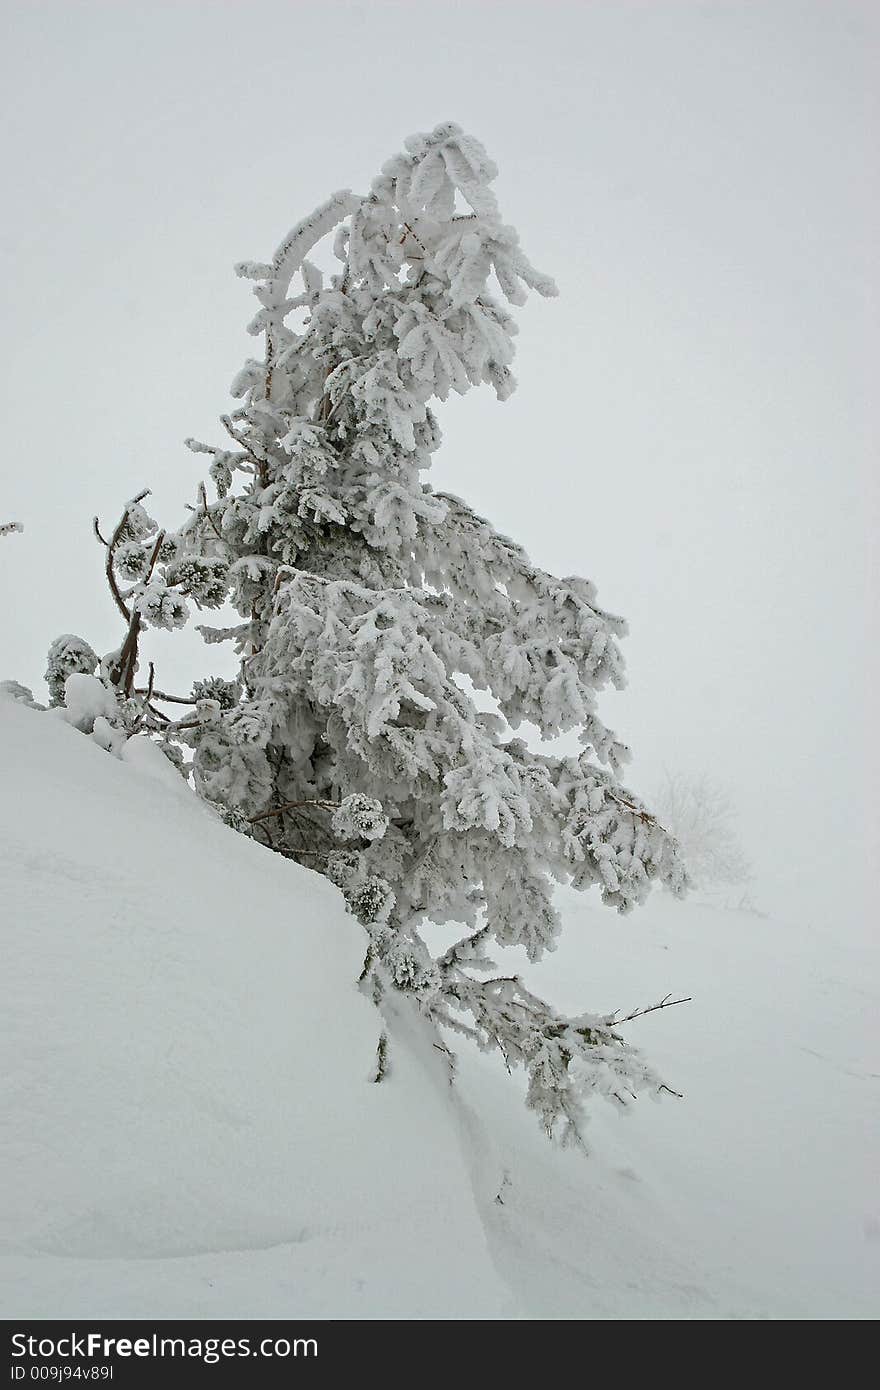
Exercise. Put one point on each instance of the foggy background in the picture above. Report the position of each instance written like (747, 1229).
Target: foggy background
(696, 424)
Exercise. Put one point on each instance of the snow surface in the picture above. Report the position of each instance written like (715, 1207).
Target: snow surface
(189, 1124)
(190, 1128)
(85, 700)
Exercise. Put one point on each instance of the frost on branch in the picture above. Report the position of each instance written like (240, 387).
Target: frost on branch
(159, 606)
(566, 1060)
(224, 692)
(369, 606)
(150, 583)
(359, 816)
(68, 655)
(14, 690)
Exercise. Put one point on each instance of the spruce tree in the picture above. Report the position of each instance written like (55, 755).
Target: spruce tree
(372, 610)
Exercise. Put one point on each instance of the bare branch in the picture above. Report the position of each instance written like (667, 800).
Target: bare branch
(169, 699)
(128, 655)
(638, 811)
(111, 546)
(667, 1002)
(114, 588)
(293, 806)
(206, 513)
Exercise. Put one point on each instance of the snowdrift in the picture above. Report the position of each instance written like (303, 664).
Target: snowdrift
(189, 1124)
(190, 1128)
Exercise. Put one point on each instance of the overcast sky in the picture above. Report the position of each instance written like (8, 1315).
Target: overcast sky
(696, 426)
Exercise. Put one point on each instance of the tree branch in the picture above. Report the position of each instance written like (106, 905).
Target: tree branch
(128, 654)
(260, 463)
(667, 1002)
(637, 811)
(206, 513)
(170, 699)
(110, 547)
(293, 806)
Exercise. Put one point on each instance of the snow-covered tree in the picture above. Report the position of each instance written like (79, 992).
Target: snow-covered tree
(372, 607)
(701, 815)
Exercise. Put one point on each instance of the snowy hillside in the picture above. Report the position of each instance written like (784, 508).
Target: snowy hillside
(189, 1124)
(190, 1127)
(755, 1196)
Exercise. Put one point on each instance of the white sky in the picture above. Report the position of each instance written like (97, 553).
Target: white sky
(696, 427)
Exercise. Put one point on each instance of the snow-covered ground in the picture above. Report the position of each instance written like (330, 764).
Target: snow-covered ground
(190, 1127)
(754, 1196)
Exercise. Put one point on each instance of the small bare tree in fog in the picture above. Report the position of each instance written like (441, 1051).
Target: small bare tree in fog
(701, 815)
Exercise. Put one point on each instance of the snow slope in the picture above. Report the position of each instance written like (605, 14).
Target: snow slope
(754, 1196)
(190, 1129)
(189, 1126)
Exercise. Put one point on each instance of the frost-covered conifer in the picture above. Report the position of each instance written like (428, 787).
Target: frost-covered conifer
(368, 601)
(371, 606)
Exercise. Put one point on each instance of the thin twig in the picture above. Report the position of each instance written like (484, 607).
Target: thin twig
(207, 515)
(293, 806)
(667, 1002)
(261, 463)
(169, 699)
(111, 580)
(111, 547)
(637, 811)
